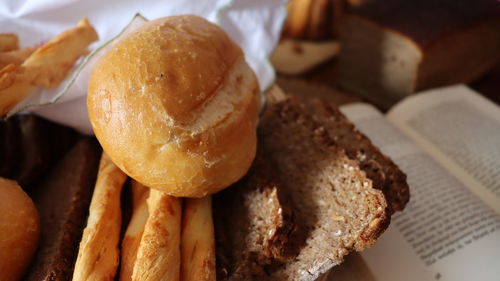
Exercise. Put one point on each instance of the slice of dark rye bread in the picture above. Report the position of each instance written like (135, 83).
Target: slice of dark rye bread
(29, 146)
(335, 190)
(62, 199)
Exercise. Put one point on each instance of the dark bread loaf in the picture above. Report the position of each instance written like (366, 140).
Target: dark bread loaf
(62, 200)
(427, 21)
(10, 136)
(393, 48)
(335, 206)
(42, 144)
(30, 145)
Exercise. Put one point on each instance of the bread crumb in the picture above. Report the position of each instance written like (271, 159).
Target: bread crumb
(338, 218)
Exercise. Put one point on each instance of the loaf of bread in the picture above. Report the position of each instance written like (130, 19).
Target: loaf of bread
(318, 187)
(393, 48)
(175, 105)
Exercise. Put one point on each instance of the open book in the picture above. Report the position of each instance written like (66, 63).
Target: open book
(447, 141)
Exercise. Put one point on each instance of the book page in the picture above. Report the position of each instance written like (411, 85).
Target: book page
(446, 232)
(461, 130)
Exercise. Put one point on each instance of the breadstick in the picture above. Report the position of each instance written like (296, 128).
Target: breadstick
(8, 42)
(98, 254)
(132, 238)
(16, 57)
(139, 194)
(298, 18)
(290, 8)
(198, 242)
(52, 61)
(319, 26)
(158, 256)
(47, 66)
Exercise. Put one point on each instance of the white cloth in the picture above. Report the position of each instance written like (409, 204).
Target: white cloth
(254, 24)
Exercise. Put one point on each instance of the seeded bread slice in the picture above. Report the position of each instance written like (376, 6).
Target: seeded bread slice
(336, 208)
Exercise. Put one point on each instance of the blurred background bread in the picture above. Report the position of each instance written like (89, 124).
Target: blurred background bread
(19, 230)
(316, 19)
(394, 48)
(175, 105)
(310, 19)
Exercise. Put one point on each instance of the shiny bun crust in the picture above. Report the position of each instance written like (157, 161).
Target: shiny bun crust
(19, 230)
(175, 106)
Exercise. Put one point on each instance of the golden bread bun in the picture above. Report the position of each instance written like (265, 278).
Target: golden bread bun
(175, 106)
(19, 230)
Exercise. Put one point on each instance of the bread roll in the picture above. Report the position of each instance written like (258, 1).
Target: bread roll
(175, 106)
(19, 230)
